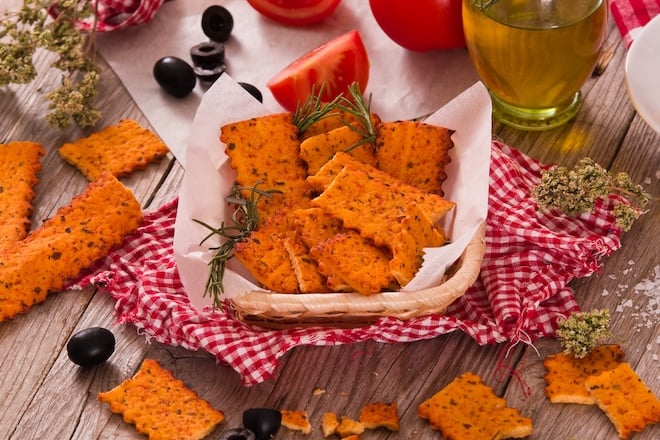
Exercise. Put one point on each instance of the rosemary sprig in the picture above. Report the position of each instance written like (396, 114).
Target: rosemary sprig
(581, 332)
(361, 111)
(575, 191)
(314, 109)
(52, 25)
(244, 220)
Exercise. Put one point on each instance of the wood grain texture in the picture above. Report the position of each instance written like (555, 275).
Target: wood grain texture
(46, 396)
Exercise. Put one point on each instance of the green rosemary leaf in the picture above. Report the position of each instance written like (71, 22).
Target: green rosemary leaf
(361, 110)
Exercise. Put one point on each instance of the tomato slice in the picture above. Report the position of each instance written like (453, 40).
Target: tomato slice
(295, 12)
(335, 65)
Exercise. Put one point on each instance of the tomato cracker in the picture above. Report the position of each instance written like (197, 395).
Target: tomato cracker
(348, 427)
(19, 167)
(566, 375)
(467, 409)
(380, 414)
(329, 424)
(73, 239)
(161, 406)
(626, 400)
(296, 420)
(118, 149)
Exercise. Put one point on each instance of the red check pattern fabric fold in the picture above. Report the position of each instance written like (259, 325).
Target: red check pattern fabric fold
(630, 16)
(521, 291)
(113, 15)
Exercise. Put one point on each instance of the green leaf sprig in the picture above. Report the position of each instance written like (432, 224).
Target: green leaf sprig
(575, 191)
(244, 220)
(51, 25)
(361, 111)
(581, 332)
(314, 109)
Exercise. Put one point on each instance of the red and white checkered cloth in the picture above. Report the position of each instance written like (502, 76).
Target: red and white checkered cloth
(118, 14)
(630, 16)
(521, 291)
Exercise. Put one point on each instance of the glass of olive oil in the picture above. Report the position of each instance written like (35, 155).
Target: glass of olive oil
(534, 55)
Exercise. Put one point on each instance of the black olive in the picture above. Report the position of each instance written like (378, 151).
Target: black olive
(237, 434)
(264, 422)
(91, 346)
(209, 75)
(208, 54)
(175, 76)
(217, 23)
(252, 90)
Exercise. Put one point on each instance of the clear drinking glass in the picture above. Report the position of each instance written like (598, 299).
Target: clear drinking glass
(534, 55)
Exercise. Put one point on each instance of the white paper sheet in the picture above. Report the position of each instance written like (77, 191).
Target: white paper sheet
(209, 177)
(407, 84)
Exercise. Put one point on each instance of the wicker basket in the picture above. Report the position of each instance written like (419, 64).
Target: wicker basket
(278, 310)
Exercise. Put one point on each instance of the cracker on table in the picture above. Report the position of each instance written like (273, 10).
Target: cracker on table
(626, 400)
(467, 409)
(19, 168)
(162, 406)
(296, 420)
(566, 375)
(329, 423)
(348, 426)
(415, 152)
(380, 414)
(118, 149)
(73, 239)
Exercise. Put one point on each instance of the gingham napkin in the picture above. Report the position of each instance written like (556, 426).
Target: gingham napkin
(521, 292)
(118, 14)
(630, 16)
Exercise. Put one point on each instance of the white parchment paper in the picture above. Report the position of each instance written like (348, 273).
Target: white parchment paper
(209, 177)
(407, 84)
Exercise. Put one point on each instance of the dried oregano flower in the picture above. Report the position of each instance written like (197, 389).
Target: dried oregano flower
(575, 191)
(582, 331)
(51, 25)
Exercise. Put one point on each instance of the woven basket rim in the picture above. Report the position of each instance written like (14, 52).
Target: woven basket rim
(277, 310)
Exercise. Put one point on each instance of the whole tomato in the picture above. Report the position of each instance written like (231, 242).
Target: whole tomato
(421, 25)
(295, 12)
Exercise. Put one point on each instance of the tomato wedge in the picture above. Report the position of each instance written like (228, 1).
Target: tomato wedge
(295, 12)
(335, 65)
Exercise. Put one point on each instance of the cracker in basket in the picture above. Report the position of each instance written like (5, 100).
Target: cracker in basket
(380, 414)
(566, 375)
(264, 150)
(19, 166)
(296, 420)
(75, 237)
(264, 254)
(118, 149)
(467, 409)
(319, 149)
(626, 400)
(373, 205)
(335, 119)
(356, 261)
(415, 152)
(416, 233)
(162, 406)
(305, 268)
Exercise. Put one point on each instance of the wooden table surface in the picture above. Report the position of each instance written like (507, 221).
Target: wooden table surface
(46, 396)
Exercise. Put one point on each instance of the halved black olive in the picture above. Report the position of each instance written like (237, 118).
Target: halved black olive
(209, 75)
(237, 434)
(252, 90)
(264, 422)
(217, 23)
(208, 54)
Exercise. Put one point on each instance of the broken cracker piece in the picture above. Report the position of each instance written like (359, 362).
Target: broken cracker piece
(467, 409)
(380, 414)
(626, 400)
(73, 239)
(565, 375)
(161, 406)
(296, 420)
(329, 423)
(19, 166)
(348, 427)
(118, 149)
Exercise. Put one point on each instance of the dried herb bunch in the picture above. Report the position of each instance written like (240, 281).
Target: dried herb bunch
(51, 25)
(583, 331)
(575, 191)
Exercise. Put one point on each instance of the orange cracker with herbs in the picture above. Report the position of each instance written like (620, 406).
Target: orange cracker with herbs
(348, 427)
(329, 424)
(296, 420)
(376, 415)
(468, 409)
(19, 168)
(566, 375)
(415, 152)
(118, 149)
(626, 400)
(162, 406)
(70, 241)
